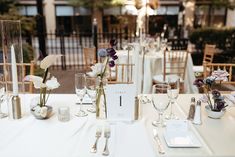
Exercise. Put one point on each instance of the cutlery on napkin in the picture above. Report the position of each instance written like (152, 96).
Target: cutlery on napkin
(97, 135)
(107, 133)
(159, 143)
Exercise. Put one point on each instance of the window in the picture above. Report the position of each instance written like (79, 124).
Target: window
(207, 15)
(28, 10)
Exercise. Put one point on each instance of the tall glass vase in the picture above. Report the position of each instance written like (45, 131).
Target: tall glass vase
(10, 36)
(101, 106)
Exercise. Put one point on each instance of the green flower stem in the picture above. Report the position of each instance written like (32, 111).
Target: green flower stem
(105, 107)
(45, 75)
(208, 97)
(98, 93)
(48, 96)
(43, 96)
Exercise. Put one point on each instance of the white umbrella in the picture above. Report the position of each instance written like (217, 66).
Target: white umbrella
(146, 10)
(129, 9)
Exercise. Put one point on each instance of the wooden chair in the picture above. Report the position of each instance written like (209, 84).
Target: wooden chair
(104, 45)
(121, 74)
(208, 57)
(223, 86)
(89, 55)
(26, 69)
(174, 67)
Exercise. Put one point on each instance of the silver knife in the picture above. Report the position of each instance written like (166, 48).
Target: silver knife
(159, 143)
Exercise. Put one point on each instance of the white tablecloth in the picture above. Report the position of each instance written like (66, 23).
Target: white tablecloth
(29, 137)
(153, 65)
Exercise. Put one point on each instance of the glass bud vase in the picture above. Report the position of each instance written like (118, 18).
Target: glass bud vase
(101, 107)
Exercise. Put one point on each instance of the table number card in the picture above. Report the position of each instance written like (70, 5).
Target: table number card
(120, 102)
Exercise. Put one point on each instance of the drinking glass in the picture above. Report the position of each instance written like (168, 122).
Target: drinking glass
(173, 93)
(80, 88)
(169, 46)
(91, 83)
(2, 96)
(159, 88)
(160, 105)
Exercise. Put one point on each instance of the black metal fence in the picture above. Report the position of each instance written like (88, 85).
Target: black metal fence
(71, 45)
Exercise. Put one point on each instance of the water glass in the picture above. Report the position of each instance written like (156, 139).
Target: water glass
(91, 84)
(64, 114)
(173, 93)
(160, 105)
(159, 88)
(80, 89)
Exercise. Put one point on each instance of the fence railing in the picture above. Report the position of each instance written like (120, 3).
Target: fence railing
(71, 45)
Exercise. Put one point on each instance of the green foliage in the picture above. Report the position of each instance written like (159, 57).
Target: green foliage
(100, 4)
(27, 23)
(223, 3)
(28, 53)
(5, 5)
(222, 37)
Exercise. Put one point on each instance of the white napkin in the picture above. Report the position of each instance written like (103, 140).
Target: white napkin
(40, 137)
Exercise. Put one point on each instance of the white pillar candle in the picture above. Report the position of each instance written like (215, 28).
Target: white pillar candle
(14, 72)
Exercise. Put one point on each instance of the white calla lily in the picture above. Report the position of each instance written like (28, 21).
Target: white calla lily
(37, 81)
(97, 69)
(52, 83)
(48, 61)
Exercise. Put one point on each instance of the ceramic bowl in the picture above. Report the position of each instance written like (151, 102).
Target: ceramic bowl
(214, 114)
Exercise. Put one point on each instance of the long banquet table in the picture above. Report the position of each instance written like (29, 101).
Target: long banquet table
(29, 137)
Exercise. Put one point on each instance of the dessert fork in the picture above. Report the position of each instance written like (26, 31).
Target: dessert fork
(107, 134)
(97, 135)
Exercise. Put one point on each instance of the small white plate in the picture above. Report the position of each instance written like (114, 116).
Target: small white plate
(181, 139)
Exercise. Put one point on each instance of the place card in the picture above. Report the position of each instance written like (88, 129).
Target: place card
(177, 125)
(120, 102)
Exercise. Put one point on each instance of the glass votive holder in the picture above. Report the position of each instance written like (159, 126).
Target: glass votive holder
(63, 114)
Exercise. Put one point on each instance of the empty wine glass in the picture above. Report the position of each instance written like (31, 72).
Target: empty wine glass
(169, 46)
(2, 96)
(160, 104)
(173, 92)
(91, 83)
(80, 88)
(159, 88)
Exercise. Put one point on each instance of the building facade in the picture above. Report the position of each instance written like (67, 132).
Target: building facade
(59, 14)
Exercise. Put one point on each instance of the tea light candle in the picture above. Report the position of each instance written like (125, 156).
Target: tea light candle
(14, 72)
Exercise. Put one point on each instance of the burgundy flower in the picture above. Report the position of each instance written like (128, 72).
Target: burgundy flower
(111, 63)
(113, 42)
(220, 105)
(216, 93)
(198, 82)
(111, 52)
(114, 57)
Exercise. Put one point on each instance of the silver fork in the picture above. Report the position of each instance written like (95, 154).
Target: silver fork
(107, 134)
(97, 135)
(159, 143)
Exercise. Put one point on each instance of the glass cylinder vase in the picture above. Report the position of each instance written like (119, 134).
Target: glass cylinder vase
(101, 106)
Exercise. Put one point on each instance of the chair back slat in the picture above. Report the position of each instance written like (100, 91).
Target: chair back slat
(89, 56)
(210, 67)
(121, 74)
(25, 69)
(175, 62)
